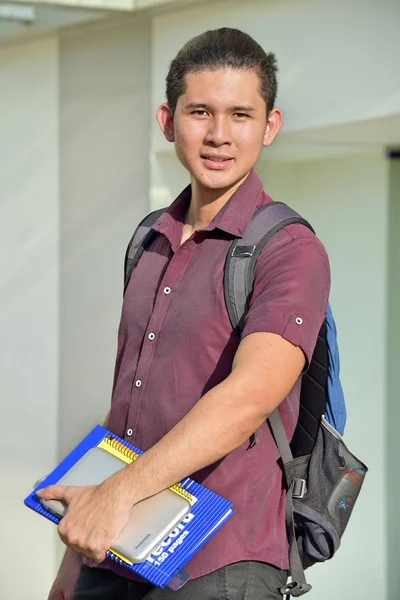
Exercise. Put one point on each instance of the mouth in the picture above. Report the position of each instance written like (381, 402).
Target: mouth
(216, 161)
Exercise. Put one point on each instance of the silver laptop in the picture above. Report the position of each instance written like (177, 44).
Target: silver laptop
(150, 521)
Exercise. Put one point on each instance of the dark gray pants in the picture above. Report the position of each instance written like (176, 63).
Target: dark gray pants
(240, 581)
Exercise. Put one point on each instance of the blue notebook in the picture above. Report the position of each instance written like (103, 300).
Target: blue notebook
(164, 567)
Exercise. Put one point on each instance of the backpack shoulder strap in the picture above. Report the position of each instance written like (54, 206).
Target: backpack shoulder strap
(238, 287)
(141, 238)
(243, 254)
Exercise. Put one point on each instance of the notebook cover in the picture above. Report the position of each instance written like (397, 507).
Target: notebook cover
(208, 513)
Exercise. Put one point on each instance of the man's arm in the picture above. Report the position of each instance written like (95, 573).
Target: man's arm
(265, 369)
(67, 576)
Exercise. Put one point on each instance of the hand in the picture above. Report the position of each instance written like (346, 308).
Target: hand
(95, 517)
(64, 585)
(62, 590)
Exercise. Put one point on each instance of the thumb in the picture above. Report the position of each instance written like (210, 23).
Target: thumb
(55, 492)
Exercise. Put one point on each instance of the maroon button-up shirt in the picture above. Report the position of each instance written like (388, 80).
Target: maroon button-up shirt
(176, 342)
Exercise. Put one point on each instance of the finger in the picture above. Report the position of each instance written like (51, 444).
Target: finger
(69, 538)
(93, 551)
(55, 492)
(89, 545)
(95, 556)
(97, 553)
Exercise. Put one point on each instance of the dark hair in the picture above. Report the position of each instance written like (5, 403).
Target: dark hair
(220, 49)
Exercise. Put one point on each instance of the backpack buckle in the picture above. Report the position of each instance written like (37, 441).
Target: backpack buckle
(299, 488)
(295, 589)
(243, 251)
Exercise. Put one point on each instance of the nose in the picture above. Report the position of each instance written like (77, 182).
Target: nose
(219, 132)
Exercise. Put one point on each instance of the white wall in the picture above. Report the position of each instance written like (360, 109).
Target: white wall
(28, 310)
(346, 200)
(104, 155)
(393, 405)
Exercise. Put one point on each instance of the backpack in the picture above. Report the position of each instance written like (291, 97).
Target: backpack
(322, 477)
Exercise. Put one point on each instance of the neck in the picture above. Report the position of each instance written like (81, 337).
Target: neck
(206, 203)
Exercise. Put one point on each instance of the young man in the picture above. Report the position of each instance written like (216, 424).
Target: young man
(187, 389)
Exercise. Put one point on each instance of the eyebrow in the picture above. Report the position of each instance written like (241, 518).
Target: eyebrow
(242, 108)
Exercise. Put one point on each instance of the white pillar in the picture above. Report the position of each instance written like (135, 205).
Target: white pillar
(29, 298)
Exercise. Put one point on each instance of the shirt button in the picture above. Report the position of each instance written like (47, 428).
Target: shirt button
(129, 432)
(151, 336)
(167, 290)
(299, 321)
(138, 383)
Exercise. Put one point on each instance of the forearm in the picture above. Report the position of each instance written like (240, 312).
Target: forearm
(221, 421)
(264, 371)
(67, 576)
(71, 563)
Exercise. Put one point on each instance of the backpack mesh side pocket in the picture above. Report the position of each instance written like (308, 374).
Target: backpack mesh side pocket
(334, 481)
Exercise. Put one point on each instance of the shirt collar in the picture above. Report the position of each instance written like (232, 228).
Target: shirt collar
(236, 215)
(171, 221)
(233, 218)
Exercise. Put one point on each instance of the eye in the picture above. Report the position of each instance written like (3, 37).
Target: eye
(199, 113)
(241, 115)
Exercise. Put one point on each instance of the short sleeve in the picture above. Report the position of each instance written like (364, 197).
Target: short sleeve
(291, 288)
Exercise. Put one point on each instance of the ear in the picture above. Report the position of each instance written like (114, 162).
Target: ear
(165, 120)
(274, 124)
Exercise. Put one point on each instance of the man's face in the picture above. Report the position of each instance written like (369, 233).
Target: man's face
(220, 126)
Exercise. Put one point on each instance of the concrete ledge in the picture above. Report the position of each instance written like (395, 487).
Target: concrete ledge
(106, 5)
(114, 5)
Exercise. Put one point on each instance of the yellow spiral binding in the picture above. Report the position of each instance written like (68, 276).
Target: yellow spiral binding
(124, 452)
(121, 448)
(179, 489)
